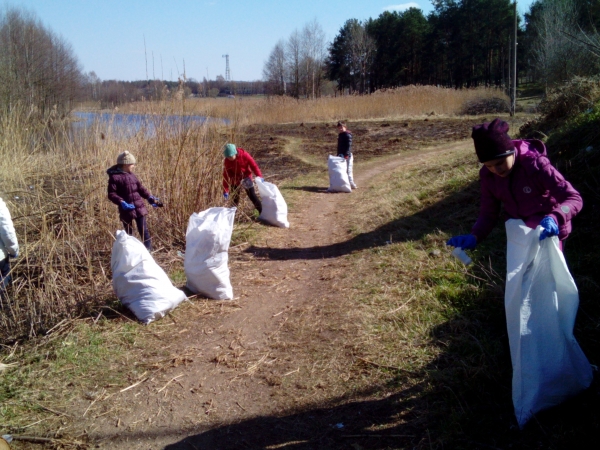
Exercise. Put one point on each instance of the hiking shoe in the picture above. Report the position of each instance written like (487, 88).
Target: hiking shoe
(353, 186)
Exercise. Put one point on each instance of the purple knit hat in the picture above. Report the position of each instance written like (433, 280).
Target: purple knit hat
(492, 140)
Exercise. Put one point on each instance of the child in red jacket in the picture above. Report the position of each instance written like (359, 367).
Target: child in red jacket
(237, 173)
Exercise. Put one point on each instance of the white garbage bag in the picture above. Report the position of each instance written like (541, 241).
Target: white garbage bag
(541, 302)
(140, 283)
(206, 244)
(274, 207)
(338, 174)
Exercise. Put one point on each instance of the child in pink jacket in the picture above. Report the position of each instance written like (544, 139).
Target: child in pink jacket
(518, 175)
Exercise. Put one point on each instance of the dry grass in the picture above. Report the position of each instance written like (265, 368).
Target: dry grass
(394, 103)
(54, 183)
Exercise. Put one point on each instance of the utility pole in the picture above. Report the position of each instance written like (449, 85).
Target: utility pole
(513, 104)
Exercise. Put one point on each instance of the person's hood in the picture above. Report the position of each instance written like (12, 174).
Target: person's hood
(533, 146)
(114, 170)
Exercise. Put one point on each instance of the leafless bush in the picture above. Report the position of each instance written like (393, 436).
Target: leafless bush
(562, 103)
(560, 48)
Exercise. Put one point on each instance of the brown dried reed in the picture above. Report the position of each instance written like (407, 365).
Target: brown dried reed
(386, 104)
(54, 183)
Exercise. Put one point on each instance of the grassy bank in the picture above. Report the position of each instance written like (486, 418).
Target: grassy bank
(414, 350)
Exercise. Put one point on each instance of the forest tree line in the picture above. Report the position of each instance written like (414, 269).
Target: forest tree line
(461, 43)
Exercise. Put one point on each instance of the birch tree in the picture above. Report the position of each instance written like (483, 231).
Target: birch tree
(275, 69)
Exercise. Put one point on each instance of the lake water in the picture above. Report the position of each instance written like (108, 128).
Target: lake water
(125, 125)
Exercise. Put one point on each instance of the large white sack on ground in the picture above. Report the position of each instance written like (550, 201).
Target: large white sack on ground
(140, 283)
(206, 244)
(338, 174)
(274, 207)
(541, 302)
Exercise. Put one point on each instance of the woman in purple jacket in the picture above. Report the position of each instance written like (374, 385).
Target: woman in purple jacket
(518, 175)
(127, 192)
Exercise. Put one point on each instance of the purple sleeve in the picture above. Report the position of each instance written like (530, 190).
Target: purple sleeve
(112, 192)
(489, 211)
(568, 200)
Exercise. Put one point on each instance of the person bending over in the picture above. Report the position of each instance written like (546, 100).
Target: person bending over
(237, 174)
(518, 175)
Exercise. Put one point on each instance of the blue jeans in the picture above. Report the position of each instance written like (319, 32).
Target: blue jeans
(142, 229)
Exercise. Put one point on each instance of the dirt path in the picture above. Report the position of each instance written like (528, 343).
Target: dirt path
(203, 373)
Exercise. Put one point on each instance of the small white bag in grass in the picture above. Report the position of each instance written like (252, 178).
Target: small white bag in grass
(541, 302)
(338, 174)
(274, 207)
(206, 244)
(139, 282)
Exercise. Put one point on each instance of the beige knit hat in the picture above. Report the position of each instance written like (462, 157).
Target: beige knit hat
(125, 158)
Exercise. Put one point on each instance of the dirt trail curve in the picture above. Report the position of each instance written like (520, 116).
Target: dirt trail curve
(207, 381)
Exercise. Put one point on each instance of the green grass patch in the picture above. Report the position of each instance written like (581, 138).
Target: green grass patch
(69, 364)
(434, 327)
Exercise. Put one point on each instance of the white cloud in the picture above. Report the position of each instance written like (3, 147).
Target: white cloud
(402, 7)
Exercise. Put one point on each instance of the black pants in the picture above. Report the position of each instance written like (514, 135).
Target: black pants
(5, 278)
(235, 196)
(142, 229)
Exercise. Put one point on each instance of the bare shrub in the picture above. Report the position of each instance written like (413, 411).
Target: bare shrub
(561, 103)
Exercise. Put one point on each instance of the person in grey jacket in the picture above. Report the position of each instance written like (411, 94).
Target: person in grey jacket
(9, 247)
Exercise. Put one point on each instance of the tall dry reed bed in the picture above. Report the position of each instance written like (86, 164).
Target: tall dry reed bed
(54, 182)
(391, 103)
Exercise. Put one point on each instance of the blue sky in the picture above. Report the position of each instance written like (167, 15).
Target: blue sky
(107, 36)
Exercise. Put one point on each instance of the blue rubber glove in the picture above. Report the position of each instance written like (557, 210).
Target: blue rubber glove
(15, 256)
(153, 201)
(127, 206)
(226, 195)
(550, 227)
(262, 180)
(465, 241)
